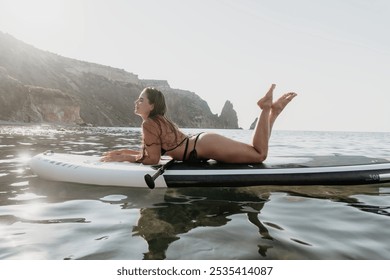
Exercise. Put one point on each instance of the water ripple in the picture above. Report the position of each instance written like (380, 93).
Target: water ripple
(51, 220)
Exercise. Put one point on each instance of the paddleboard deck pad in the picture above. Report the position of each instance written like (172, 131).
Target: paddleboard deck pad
(307, 170)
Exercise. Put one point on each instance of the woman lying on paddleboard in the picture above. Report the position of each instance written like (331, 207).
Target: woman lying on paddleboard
(160, 136)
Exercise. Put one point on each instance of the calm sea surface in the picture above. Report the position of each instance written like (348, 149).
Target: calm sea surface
(52, 221)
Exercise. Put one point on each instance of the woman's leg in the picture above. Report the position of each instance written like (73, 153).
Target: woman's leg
(262, 131)
(220, 148)
(264, 125)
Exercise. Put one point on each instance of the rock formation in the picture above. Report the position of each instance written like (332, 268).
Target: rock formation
(228, 116)
(39, 86)
(253, 125)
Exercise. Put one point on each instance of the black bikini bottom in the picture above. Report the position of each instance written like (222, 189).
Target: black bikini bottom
(193, 155)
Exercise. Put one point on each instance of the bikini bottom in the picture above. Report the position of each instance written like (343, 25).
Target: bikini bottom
(193, 155)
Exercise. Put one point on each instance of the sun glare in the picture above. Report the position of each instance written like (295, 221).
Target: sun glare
(46, 24)
(36, 20)
(35, 14)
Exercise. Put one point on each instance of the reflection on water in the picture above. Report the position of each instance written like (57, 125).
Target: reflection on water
(50, 220)
(185, 210)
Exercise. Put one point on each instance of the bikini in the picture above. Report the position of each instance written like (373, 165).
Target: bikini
(193, 155)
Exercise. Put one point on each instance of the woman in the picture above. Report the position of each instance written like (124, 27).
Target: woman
(162, 137)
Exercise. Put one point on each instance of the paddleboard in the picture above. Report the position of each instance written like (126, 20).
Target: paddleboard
(316, 170)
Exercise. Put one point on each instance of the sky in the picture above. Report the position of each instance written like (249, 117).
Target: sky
(334, 53)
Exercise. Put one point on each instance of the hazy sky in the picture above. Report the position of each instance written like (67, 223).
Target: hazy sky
(334, 53)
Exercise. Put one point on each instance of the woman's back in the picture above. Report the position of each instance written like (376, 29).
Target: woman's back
(161, 131)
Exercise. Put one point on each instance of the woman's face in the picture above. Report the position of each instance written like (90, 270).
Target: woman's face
(142, 106)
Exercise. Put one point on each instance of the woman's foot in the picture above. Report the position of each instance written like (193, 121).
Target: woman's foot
(266, 101)
(281, 103)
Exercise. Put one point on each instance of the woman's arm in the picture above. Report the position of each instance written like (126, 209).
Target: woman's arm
(120, 155)
(121, 151)
(151, 155)
(151, 133)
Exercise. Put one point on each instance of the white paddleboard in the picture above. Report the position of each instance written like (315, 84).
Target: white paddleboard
(328, 170)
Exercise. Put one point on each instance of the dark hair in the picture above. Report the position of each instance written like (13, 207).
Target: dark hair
(158, 100)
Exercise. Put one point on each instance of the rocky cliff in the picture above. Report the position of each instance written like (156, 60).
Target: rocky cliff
(35, 104)
(39, 86)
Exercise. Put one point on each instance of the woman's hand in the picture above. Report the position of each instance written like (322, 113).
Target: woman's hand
(119, 156)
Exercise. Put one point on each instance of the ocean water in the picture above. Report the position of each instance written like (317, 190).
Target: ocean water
(42, 220)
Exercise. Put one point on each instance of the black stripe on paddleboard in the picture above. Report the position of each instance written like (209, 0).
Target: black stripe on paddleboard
(289, 162)
(241, 180)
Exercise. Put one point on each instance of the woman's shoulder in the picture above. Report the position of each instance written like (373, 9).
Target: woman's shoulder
(148, 121)
(149, 124)
(159, 123)
(155, 121)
